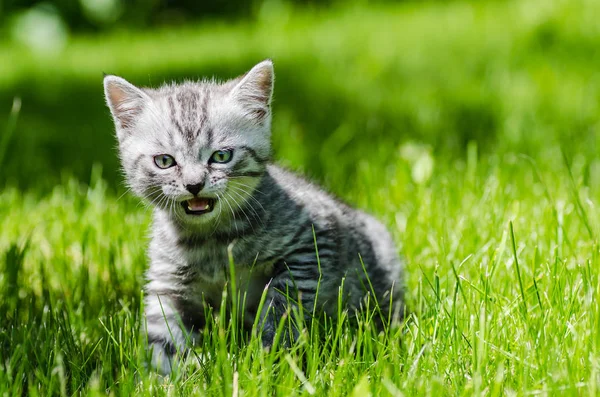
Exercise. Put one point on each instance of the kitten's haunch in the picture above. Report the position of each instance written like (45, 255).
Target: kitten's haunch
(200, 152)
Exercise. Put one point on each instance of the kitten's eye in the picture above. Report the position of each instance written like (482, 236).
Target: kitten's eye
(221, 156)
(164, 161)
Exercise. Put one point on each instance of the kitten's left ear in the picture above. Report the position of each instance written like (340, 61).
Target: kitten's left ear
(254, 90)
(124, 100)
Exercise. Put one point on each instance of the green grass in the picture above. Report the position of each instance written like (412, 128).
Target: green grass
(502, 282)
(470, 130)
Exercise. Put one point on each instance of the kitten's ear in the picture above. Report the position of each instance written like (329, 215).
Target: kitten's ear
(255, 89)
(124, 100)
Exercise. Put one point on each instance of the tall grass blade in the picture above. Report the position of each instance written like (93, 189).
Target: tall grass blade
(514, 247)
(10, 128)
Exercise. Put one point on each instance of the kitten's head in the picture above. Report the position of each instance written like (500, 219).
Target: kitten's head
(196, 150)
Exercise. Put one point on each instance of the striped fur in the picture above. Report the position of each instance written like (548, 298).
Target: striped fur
(267, 216)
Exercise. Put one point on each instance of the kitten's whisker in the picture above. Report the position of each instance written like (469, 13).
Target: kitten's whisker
(178, 215)
(243, 212)
(250, 195)
(218, 216)
(249, 204)
(124, 193)
(255, 214)
(249, 192)
(233, 215)
(152, 196)
(160, 201)
(173, 210)
(245, 185)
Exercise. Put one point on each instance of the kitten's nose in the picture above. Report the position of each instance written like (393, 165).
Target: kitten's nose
(195, 189)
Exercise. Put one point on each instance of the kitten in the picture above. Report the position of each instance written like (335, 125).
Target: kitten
(200, 152)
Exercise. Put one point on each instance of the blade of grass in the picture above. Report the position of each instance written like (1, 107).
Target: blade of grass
(11, 126)
(575, 193)
(514, 247)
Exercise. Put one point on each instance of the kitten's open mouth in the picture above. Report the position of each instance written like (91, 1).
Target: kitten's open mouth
(198, 205)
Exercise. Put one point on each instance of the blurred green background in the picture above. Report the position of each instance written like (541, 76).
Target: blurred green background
(356, 80)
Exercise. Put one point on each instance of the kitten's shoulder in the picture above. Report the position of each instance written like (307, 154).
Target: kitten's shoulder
(309, 195)
(292, 182)
(283, 175)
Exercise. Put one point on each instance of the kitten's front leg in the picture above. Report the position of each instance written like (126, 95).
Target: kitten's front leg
(167, 336)
(283, 298)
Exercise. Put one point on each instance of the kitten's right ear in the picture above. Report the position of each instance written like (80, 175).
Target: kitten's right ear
(124, 100)
(255, 89)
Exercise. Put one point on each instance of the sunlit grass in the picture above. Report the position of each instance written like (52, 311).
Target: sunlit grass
(502, 286)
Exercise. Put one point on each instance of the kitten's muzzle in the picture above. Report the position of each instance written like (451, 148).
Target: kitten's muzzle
(198, 205)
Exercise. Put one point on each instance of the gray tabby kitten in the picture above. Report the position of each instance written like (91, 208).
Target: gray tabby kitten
(200, 152)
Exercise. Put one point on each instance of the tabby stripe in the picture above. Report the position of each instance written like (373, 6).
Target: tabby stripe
(311, 250)
(311, 261)
(299, 234)
(191, 314)
(254, 155)
(209, 137)
(298, 267)
(242, 166)
(323, 234)
(151, 176)
(184, 272)
(304, 251)
(188, 103)
(307, 286)
(307, 276)
(137, 161)
(171, 138)
(174, 116)
(289, 289)
(251, 174)
(204, 115)
(295, 271)
(169, 347)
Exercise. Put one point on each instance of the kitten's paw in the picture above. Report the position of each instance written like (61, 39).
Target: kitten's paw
(267, 338)
(163, 357)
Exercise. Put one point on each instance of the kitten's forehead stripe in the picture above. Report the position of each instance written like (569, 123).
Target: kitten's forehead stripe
(171, 138)
(173, 114)
(188, 111)
(204, 113)
(209, 137)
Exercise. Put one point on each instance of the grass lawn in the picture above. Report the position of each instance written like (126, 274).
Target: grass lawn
(502, 282)
(499, 231)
